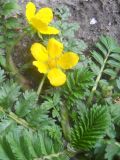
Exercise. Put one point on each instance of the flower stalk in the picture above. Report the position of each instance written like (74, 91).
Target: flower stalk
(41, 85)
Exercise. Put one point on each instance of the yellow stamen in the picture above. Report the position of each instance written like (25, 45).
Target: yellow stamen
(52, 63)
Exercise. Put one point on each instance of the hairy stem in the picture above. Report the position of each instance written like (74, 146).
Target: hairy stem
(51, 156)
(65, 122)
(41, 85)
(17, 119)
(11, 66)
(97, 81)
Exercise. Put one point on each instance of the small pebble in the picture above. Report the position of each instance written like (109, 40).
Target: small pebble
(93, 21)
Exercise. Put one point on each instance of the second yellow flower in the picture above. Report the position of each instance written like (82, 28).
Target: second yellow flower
(52, 61)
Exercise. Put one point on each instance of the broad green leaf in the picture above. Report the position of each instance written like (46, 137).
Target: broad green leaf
(91, 126)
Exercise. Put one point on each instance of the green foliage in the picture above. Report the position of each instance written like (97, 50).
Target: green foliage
(28, 132)
(68, 31)
(115, 113)
(118, 83)
(106, 57)
(25, 145)
(60, 123)
(90, 127)
(8, 7)
(106, 67)
(112, 150)
(9, 26)
(78, 83)
(9, 93)
(28, 99)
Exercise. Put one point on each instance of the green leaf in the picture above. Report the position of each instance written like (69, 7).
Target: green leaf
(5, 126)
(115, 113)
(22, 144)
(97, 57)
(110, 72)
(115, 56)
(26, 103)
(113, 63)
(12, 23)
(116, 50)
(94, 67)
(2, 60)
(77, 84)
(11, 34)
(75, 46)
(101, 48)
(2, 76)
(1, 39)
(118, 83)
(3, 155)
(112, 149)
(14, 143)
(10, 7)
(2, 45)
(9, 93)
(90, 127)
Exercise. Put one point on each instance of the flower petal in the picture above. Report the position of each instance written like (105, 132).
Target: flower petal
(30, 11)
(56, 77)
(49, 30)
(55, 48)
(39, 52)
(68, 60)
(45, 15)
(38, 24)
(42, 67)
(42, 27)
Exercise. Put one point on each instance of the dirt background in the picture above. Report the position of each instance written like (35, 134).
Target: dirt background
(96, 17)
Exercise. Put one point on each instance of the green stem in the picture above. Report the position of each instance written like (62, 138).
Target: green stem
(97, 81)
(11, 66)
(65, 122)
(41, 85)
(17, 119)
(51, 156)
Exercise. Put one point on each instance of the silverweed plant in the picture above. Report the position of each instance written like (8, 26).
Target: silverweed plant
(74, 113)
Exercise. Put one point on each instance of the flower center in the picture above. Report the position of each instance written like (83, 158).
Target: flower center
(52, 63)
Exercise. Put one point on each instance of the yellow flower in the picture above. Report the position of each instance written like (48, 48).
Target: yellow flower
(52, 61)
(40, 20)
